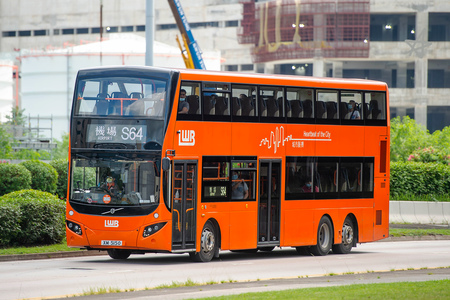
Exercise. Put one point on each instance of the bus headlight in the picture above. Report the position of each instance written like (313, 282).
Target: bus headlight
(74, 227)
(151, 229)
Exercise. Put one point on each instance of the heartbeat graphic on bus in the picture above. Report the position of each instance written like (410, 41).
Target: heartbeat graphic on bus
(276, 138)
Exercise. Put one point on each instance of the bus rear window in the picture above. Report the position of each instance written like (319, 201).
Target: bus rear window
(120, 96)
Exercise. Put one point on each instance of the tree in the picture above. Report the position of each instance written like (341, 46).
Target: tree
(440, 139)
(62, 147)
(5, 144)
(406, 137)
(16, 117)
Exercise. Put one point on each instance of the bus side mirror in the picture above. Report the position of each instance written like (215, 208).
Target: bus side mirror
(165, 163)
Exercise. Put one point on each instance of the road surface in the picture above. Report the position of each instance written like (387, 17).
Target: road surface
(68, 276)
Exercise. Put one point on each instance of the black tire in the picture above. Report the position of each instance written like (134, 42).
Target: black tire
(324, 238)
(208, 244)
(119, 254)
(303, 250)
(348, 238)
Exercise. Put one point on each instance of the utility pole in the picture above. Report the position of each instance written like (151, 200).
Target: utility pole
(149, 32)
(101, 30)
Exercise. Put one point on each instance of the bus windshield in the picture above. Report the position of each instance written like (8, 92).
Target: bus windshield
(120, 96)
(116, 180)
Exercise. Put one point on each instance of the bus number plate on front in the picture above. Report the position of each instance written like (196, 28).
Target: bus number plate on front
(112, 243)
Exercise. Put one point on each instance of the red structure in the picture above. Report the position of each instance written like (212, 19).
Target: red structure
(294, 29)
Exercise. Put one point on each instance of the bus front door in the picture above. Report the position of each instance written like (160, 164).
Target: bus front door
(269, 203)
(184, 205)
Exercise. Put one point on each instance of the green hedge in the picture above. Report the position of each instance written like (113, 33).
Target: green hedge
(43, 176)
(61, 166)
(31, 217)
(13, 178)
(10, 216)
(416, 178)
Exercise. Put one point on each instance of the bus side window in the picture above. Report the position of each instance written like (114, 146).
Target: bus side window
(192, 97)
(327, 105)
(350, 176)
(215, 181)
(368, 179)
(300, 180)
(242, 100)
(222, 105)
(376, 105)
(294, 106)
(271, 101)
(327, 175)
(351, 106)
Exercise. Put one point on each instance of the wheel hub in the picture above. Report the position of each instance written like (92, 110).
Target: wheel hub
(347, 234)
(208, 241)
(324, 236)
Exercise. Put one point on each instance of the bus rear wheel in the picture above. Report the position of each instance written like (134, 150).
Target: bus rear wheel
(324, 238)
(119, 254)
(208, 244)
(347, 238)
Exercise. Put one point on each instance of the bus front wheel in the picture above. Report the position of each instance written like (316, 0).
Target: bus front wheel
(208, 244)
(347, 238)
(324, 238)
(119, 254)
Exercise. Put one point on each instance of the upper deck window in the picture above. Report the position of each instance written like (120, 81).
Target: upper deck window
(243, 100)
(271, 102)
(375, 106)
(299, 104)
(327, 105)
(351, 106)
(121, 96)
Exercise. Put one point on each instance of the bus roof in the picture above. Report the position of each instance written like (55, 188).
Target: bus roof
(249, 78)
(277, 79)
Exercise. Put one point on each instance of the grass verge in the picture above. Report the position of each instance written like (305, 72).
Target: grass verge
(37, 249)
(414, 197)
(437, 289)
(397, 232)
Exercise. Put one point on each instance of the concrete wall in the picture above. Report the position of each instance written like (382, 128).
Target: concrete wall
(419, 212)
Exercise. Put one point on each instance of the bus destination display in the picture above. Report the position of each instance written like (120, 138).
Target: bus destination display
(108, 133)
(215, 191)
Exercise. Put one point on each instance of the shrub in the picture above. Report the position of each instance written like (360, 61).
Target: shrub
(41, 218)
(61, 166)
(430, 154)
(10, 216)
(43, 175)
(407, 136)
(417, 178)
(13, 178)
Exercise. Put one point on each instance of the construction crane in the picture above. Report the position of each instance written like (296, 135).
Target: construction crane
(190, 50)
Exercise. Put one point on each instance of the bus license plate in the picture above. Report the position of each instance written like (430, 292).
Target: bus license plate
(112, 243)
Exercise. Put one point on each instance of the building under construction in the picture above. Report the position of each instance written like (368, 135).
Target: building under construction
(403, 43)
(294, 29)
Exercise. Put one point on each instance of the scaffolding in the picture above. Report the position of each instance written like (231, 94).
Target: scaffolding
(294, 29)
(34, 136)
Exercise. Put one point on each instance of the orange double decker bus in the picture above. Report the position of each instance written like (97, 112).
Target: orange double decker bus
(192, 161)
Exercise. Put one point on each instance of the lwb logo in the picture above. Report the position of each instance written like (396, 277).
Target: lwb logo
(186, 138)
(111, 223)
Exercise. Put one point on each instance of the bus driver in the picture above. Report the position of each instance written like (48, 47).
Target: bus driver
(183, 106)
